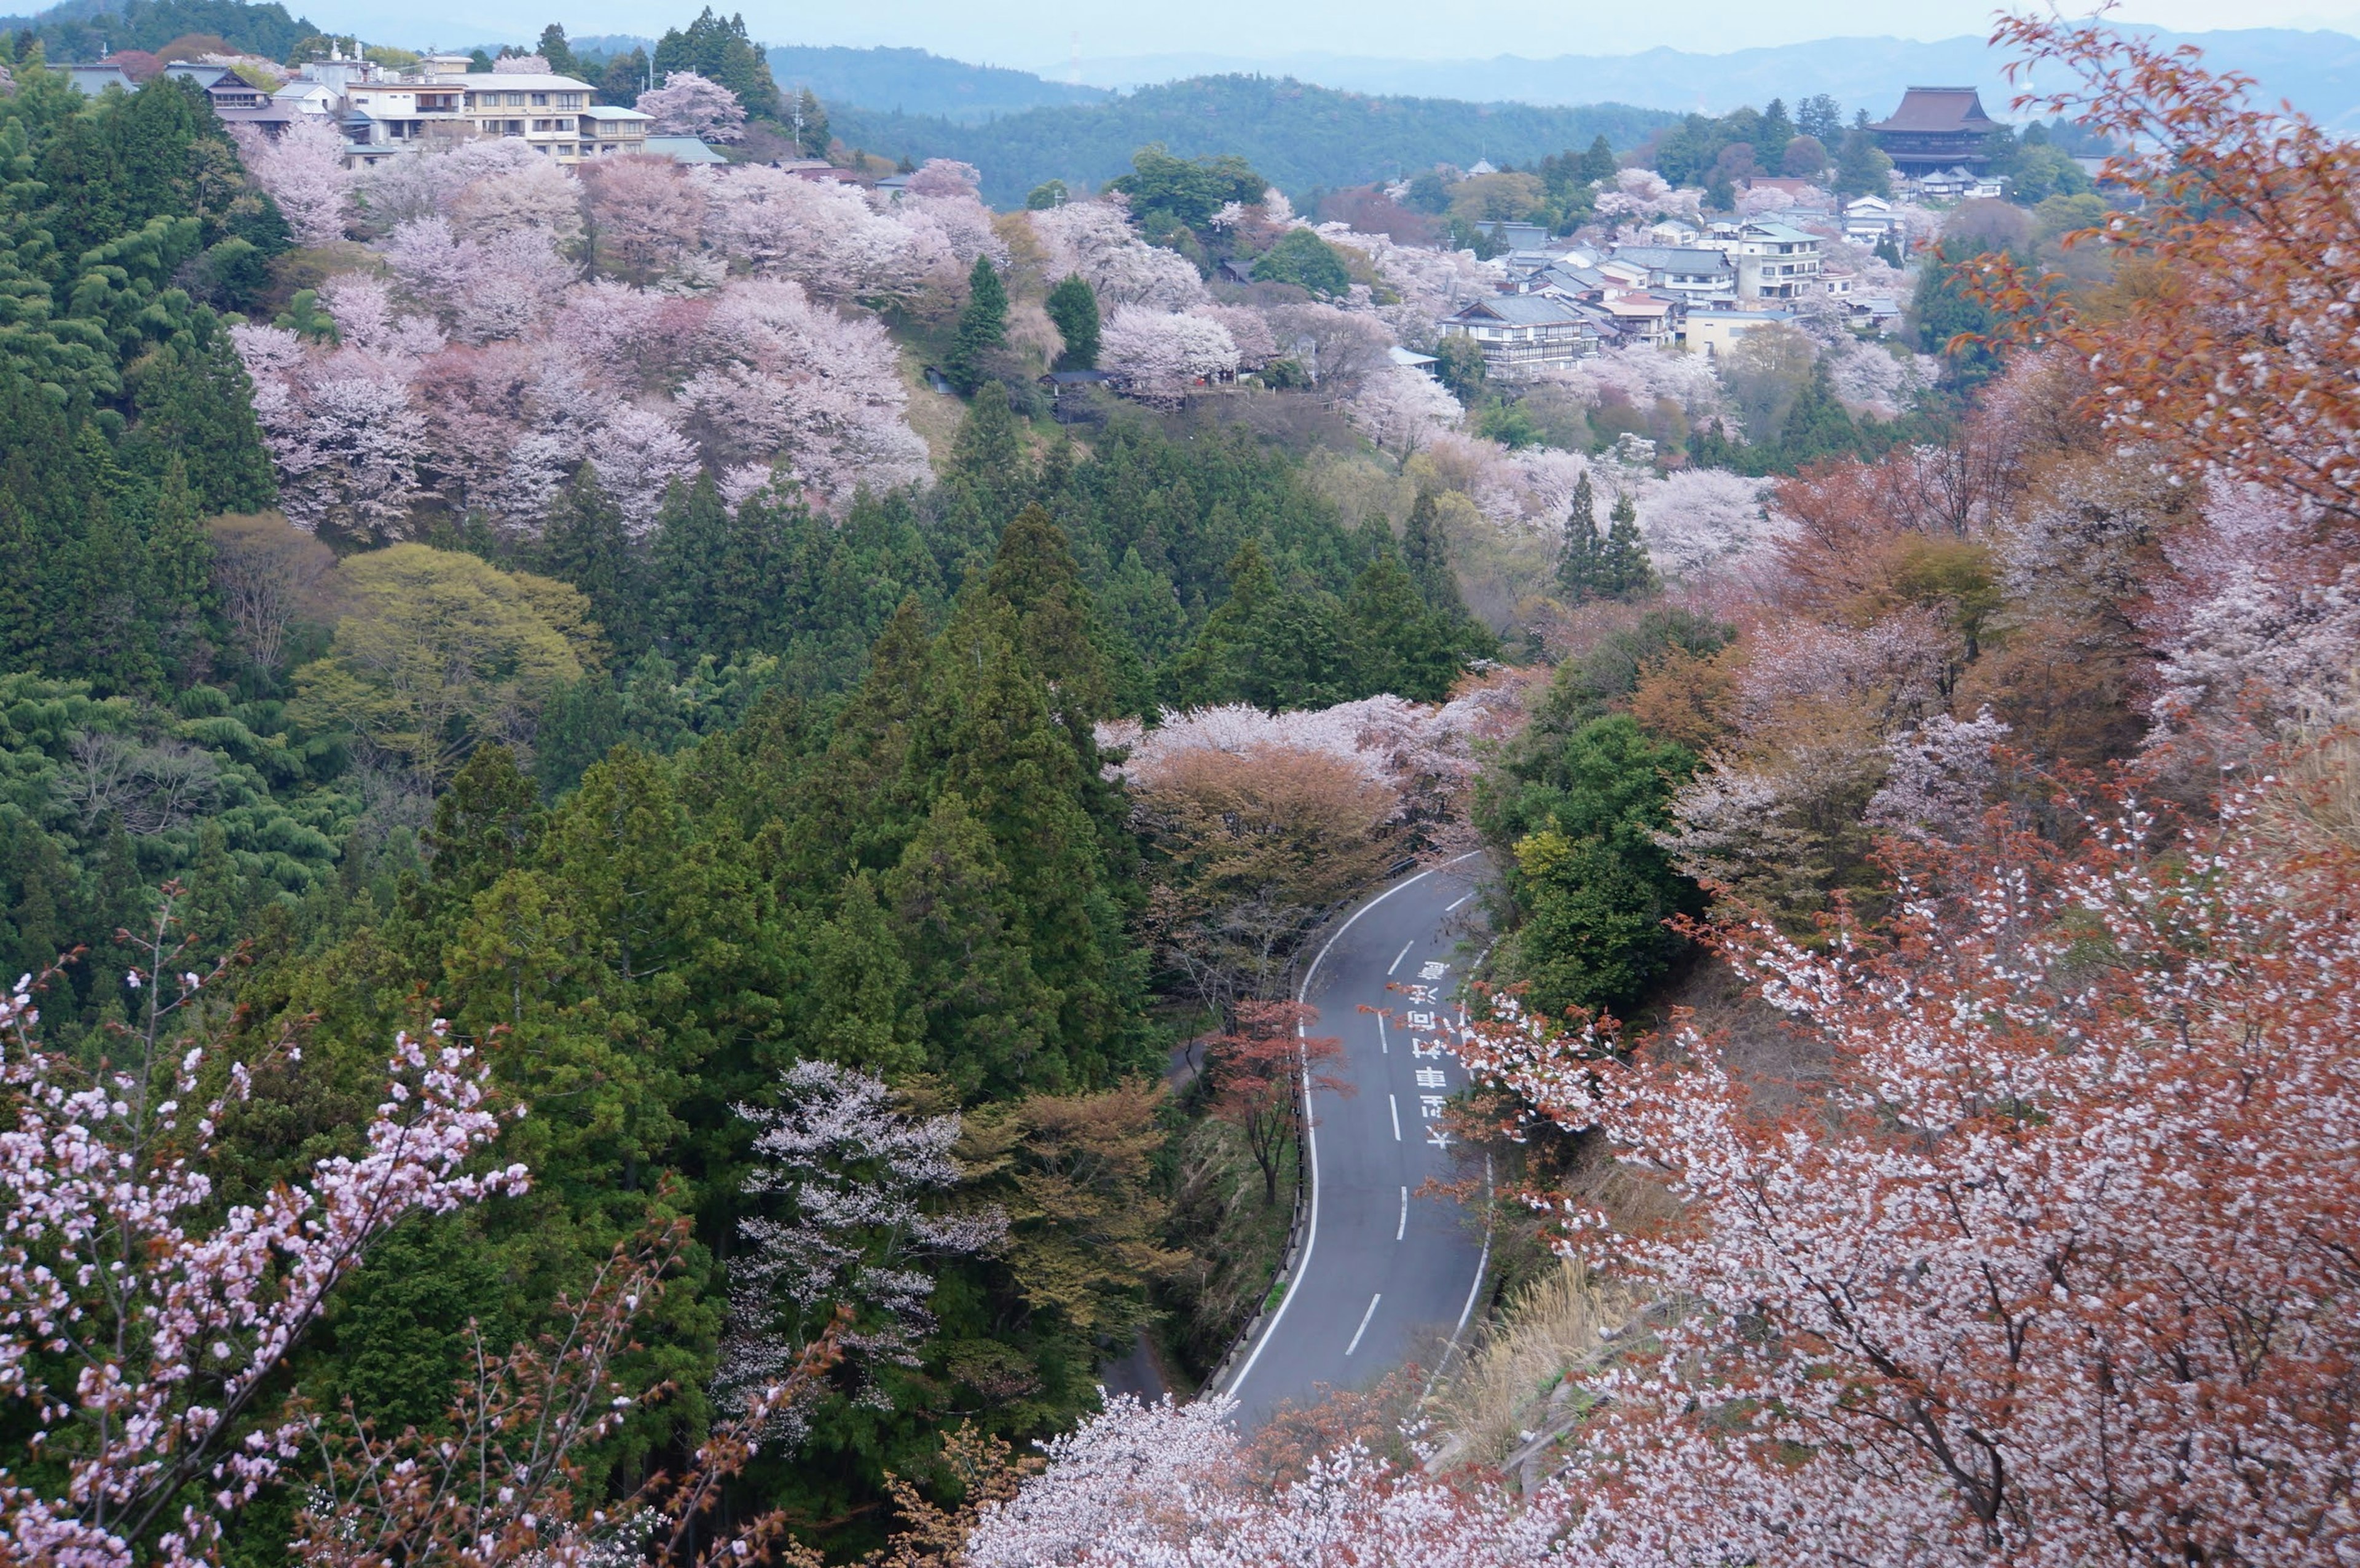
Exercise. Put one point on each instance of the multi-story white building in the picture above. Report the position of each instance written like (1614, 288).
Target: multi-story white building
(1774, 261)
(386, 114)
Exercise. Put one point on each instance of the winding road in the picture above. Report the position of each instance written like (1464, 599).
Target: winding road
(1385, 1276)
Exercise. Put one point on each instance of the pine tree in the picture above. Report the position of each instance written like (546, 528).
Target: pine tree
(1074, 306)
(982, 327)
(584, 542)
(1581, 569)
(1625, 571)
(1599, 162)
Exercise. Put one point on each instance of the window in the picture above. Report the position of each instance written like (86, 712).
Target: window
(540, 100)
(516, 100)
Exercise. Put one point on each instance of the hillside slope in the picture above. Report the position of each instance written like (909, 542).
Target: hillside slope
(1298, 135)
(918, 82)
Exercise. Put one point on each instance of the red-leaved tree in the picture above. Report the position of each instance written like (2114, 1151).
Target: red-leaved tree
(1262, 1072)
(2230, 346)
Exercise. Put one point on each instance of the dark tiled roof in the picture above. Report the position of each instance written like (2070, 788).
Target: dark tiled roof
(1938, 109)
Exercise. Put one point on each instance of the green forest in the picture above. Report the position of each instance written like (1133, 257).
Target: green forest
(1301, 137)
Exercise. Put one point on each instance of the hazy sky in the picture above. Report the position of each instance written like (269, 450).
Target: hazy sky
(1037, 34)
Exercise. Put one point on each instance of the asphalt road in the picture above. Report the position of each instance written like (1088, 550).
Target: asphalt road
(1385, 1276)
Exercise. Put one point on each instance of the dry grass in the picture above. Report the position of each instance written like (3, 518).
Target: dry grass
(935, 415)
(1516, 1381)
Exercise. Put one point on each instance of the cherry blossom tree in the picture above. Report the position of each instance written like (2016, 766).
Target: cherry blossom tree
(149, 1314)
(1703, 521)
(303, 170)
(2241, 358)
(343, 433)
(1401, 409)
(503, 286)
(1939, 777)
(2256, 627)
(638, 455)
(521, 65)
(688, 105)
(852, 1184)
(1142, 1485)
(1871, 379)
(646, 214)
(946, 177)
(785, 377)
(1642, 377)
(536, 196)
(1261, 1070)
(1158, 355)
(826, 237)
(1340, 348)
(427, 183)
(2058, 1271)
(1096, 239)
(507, 1478)
(1643, 193)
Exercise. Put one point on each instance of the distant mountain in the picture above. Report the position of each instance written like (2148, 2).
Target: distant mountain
(917, 82)
(2318, 72)
(1299, 136)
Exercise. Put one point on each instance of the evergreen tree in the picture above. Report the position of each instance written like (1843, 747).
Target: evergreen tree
(1425, 554)
(721, 50)
(1057, 627)
(1624, 570)
(986, 482)
(179, 572)
(982, 327)
(718, 577)
(194, 405)
(1581, 569)
(1074, 306)
(584, 542)
(1275, 649)
(812, 133)
(1598, 163)
(1397, 643)
(553, 48)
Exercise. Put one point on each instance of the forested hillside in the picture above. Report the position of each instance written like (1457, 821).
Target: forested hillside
(914, 81)
(84, 29)
(1300, 135)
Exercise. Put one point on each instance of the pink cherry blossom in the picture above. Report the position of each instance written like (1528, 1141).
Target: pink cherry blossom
(688, 105)
(303, 170)
(148, 1315)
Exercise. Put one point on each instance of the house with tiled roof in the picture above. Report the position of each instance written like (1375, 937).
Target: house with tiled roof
(1521, 334)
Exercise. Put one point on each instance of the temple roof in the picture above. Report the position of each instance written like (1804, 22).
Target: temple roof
(1938, 109)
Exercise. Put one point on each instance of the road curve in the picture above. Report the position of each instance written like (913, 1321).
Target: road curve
(1385, 1276)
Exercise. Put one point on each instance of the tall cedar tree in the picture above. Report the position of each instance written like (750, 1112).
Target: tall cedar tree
(1074, 306)
(584, 542)
(1624, 570)
(1581, 568)
(982, 326)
